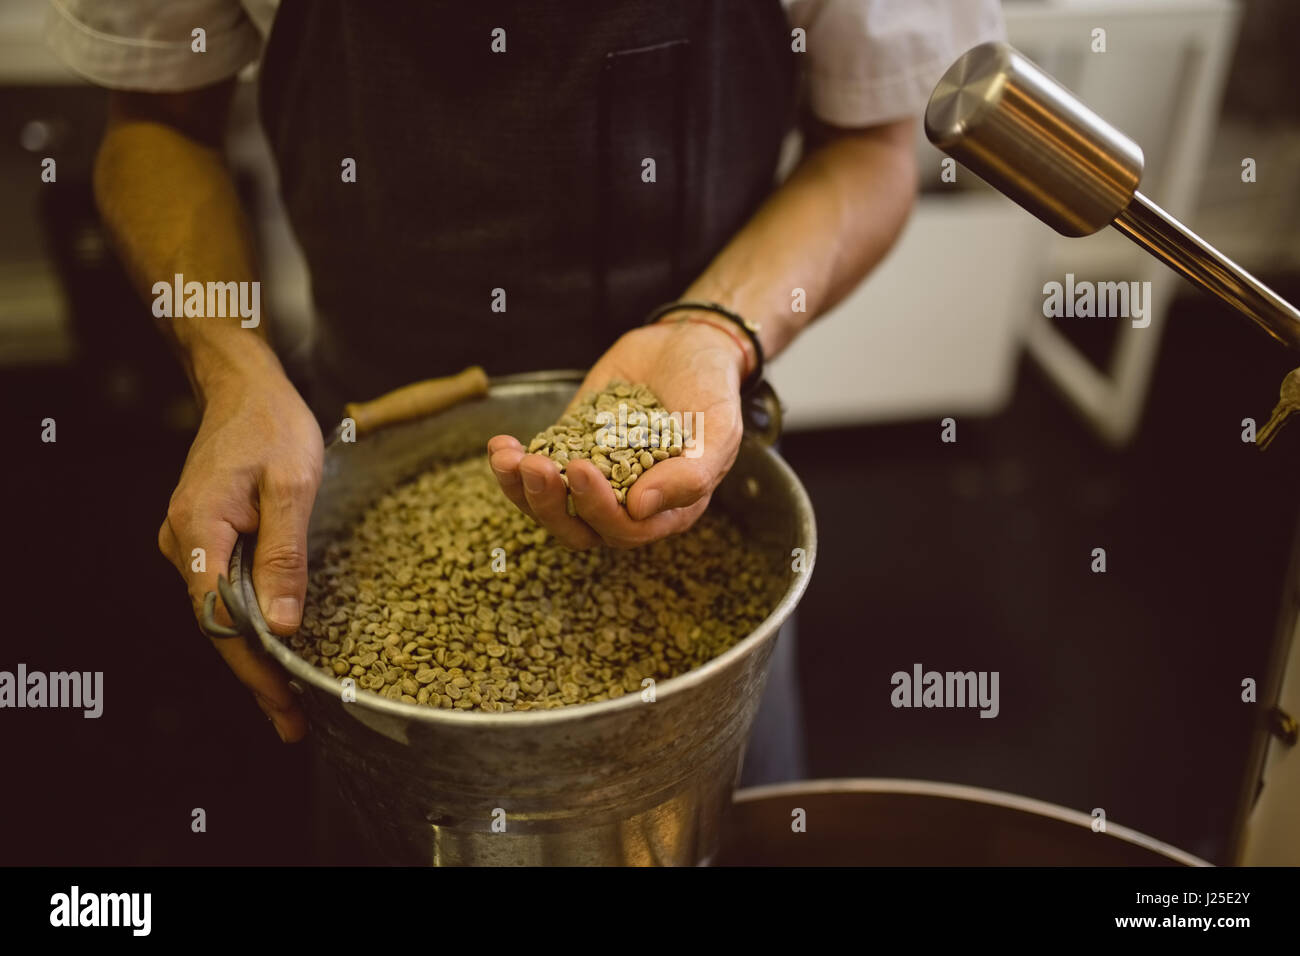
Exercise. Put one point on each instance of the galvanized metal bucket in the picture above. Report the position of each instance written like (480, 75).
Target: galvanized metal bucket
(623, 781)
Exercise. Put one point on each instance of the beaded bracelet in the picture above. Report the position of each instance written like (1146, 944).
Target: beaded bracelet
(749, 328)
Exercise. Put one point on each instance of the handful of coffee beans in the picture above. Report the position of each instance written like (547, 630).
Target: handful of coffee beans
(446, 595)
(623, 430)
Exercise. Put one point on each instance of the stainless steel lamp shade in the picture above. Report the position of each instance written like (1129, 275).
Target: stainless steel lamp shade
(1014, 126)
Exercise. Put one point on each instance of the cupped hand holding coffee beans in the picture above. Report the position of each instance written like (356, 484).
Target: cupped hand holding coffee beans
(691, 368)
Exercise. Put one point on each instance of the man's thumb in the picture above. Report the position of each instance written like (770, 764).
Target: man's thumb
(280, 563)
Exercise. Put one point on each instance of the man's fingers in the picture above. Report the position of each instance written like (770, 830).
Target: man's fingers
(666, 500)
(594, 500)
(546, 496)
(280, 562)
(504, 443)
(200, 549)
(596, 504)
(670, 484)
(259, 673)
(200, 565)
(269, 684)
(504, 459)
(169, 546)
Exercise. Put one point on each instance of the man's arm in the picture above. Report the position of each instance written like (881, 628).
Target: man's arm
(822, 231)
(827, 226)
(170, 205)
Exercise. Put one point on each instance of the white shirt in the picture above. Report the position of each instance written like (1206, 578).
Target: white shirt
(868, 61)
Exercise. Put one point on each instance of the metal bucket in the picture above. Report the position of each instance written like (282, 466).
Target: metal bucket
(622, 781)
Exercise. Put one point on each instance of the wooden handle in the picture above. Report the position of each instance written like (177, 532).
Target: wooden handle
(417, 401)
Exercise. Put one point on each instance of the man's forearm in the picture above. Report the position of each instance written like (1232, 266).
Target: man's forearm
(170, 205)
(822, 231)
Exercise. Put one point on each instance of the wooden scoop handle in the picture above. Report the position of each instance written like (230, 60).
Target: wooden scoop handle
(417, 400)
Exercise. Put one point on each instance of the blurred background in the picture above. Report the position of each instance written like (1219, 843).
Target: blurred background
(1119, 690)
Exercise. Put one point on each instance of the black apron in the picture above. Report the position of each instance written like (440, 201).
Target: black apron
(519, 171)
(525, 172)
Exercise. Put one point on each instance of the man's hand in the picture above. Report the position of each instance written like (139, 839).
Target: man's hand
(820, 233)
(693, 368)
(170, 204)
(255, 465)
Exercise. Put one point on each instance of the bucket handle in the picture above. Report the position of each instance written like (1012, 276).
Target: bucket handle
(234, 607)
(418, 400)
(233, 597)
(761, 413)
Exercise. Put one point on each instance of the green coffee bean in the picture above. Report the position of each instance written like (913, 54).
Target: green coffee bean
(427, 620)
(596, 429)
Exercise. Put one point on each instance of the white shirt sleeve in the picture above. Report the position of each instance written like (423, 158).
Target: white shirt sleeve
(873, 61)
(147, 45)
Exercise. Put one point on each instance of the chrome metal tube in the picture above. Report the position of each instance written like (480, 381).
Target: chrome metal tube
(1200, 263)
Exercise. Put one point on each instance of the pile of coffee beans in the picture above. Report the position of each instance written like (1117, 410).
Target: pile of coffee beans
(446, 595)
(623, 430)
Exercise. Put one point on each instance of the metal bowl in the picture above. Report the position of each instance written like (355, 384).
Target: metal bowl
(922, 823)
